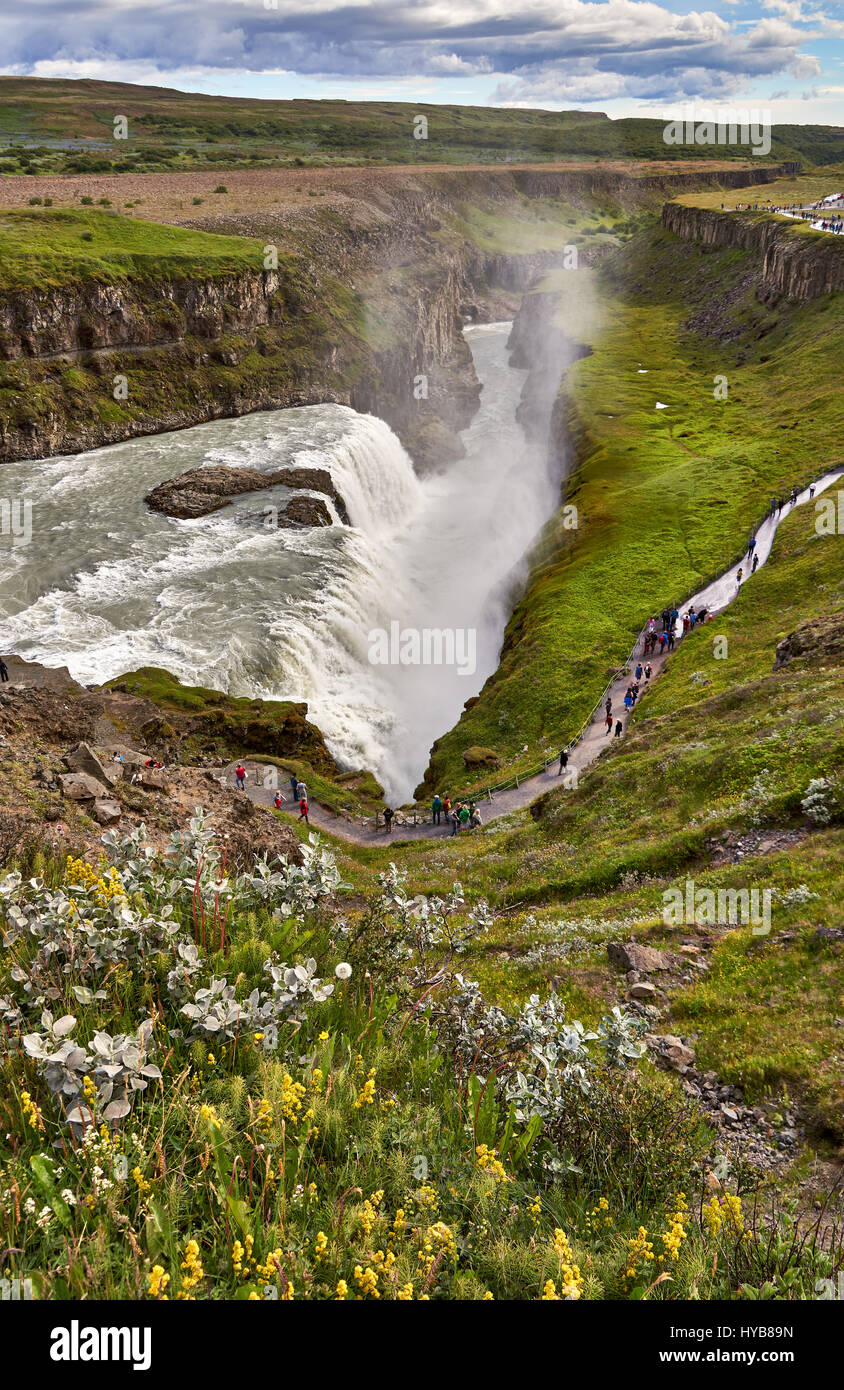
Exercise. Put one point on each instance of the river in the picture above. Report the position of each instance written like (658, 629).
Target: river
(106, 586)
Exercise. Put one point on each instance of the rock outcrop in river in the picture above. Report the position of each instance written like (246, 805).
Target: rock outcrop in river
(200, 491)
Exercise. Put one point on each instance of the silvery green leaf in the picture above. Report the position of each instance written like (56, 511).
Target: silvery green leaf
(117, 1110)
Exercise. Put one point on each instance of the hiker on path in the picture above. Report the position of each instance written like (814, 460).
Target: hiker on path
(240, 777)
(628, 704)
(773, 505)
(639, 671)
(751, 545)
(609, 723)
(739, 576)
(455, 819)
(649, 670)
(4, 671)
(780, 504)
(294, 784)
(301, 791)
(388, 819)
(437, 809)
(618, 728)
(475, 818)
(671, 639)
(651, 624)
(303, 809)
(564, 757)
(794, 494)
(811, 490)
(278, 800)
(608, 705)
(447, 808)
(755, 563)
(463, 817)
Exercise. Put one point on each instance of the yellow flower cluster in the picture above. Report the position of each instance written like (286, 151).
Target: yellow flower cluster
(210, 1115)
(425, 1196)
(366, 1096)
(321, 1246)
(722, 1210)
(263, 1115)
(367, 1281)
(292, 1095)
(369, 1211)
(242, 1259)
(673, 1238)
(489, 1161)
(549, 1292)
(140, 1181)
(104, 887)
(158, 1281)
(600, 1214)
(192, 1272)
(571, 1282)
(405, 1293)
(535, 1210)
(268, 1272)
(342, 1286)
(437, 1241)
(31, 1111)
(638, 1249)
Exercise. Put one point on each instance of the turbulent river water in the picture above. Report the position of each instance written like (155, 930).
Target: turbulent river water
(105, 585)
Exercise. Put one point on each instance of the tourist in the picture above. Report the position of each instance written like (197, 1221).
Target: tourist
(739, 576)
(294, 785)
(811, 490)
(618, 728)
(628, 703)
(463, 816)
(277, 800)
(388, 819)
(671, 640)
(773, 505)
(437, 809)
(455, 819)
(240, 777)
(794, 494)
(751, 545)
(4, 671)
(755, 563)
(639, 671)
(648, 671)
(447, 808)
(475, 818)
(609, 724)
(608, 705)
(564, 757)
(301, 791)
(303, 809)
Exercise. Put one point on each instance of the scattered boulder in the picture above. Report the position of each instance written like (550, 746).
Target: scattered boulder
(106, 811)
(642, 990)
(817, 640)
(151, 779)
(629, 955)
(82, 758)
(480, 757)
(670, 1052)
(80, 786)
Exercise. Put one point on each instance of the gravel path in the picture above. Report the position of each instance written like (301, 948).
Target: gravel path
(715, 597)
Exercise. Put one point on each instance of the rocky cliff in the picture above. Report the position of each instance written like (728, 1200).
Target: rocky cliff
(795, 263)
(364, 305)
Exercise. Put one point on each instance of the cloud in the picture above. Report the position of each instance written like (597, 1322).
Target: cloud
(541, 51)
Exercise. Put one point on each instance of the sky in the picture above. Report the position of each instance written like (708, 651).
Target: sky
(625, 57)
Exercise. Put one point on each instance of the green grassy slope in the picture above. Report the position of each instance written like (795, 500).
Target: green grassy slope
(722, 748)
(665, 498)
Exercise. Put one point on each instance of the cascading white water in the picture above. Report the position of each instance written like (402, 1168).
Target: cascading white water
(107, 586)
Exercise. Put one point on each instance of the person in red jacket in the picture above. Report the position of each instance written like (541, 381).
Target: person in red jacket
(240, 777)
(303, 810)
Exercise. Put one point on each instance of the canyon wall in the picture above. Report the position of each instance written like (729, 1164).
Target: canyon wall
(795, 263)
(361, 307)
